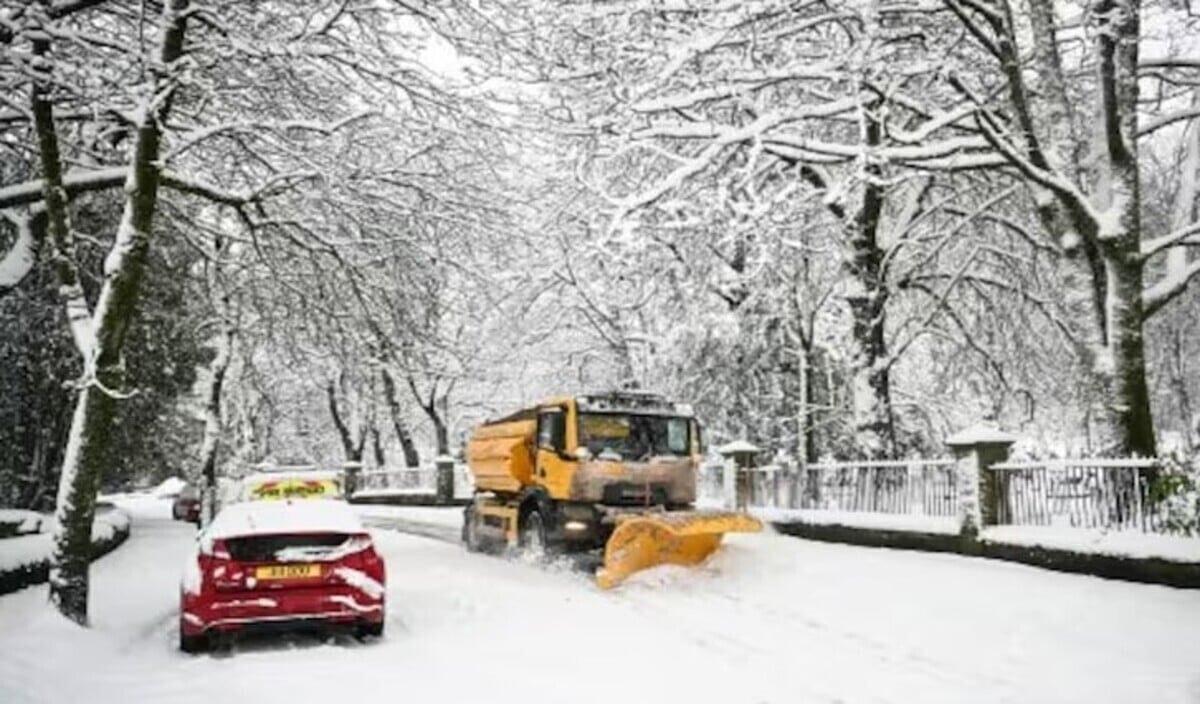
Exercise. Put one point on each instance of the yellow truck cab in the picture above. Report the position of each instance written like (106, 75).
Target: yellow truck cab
(564, 475)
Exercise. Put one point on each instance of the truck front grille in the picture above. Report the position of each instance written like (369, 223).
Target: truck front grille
(631, 494)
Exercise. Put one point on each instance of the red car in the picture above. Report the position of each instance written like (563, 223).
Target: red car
(270, 565)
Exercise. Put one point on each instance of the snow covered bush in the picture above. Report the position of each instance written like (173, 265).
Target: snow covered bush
(24, 560)
(1175, 492)
(16, 522)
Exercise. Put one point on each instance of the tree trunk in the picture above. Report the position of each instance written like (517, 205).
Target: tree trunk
(1177, 371)
(83, 465)
(377, 446)
(812, 450)
(351, 446)
(431, 407)
(440, 431)
(87, 446)
(1105, 222)
(867, 299)
(411, 457)
(212, 425)
(54, 197)
(1129, 415)
(1129, 420)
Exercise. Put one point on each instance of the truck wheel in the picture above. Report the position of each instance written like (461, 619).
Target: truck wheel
(470, 532)
(533, 536)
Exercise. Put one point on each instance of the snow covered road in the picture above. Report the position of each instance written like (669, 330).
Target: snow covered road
(770, 619)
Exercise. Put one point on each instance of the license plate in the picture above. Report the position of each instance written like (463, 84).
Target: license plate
(288, 572)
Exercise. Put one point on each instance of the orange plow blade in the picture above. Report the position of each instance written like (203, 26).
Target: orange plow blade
(683, 538)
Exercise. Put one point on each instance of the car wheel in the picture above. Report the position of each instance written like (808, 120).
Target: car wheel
(192, 644)
(533, 536)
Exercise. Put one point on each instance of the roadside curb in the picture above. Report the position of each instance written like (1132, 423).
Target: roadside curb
(1183, 575)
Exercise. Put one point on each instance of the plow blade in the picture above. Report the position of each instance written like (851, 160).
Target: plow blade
(684, 538)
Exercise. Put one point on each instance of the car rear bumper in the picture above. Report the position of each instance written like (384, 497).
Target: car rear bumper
(236, 611)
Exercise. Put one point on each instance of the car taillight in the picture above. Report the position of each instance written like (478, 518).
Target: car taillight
(216, 549)
(371, 562)
(217, 566)
(358, 552)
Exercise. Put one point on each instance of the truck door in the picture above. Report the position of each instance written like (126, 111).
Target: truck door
(553, 465)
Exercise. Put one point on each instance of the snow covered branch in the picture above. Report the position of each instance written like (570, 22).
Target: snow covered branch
(1156, 124)
(77, 182)
(196, 137)
(1186, 237)
(898, 350)
(1169, 62)
(1166, 290)
(73, 182)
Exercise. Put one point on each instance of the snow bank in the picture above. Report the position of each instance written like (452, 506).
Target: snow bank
(1117, 543)
(26, 550)
(943, 525)
(169, 488)
(141, 505)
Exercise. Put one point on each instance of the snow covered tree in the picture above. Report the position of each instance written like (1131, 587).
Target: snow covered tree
(1072, 125)
(223, 93)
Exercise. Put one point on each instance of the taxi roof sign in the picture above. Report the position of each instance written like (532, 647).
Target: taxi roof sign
(291, 485)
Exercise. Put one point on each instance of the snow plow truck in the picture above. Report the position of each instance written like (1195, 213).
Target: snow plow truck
(613, 471)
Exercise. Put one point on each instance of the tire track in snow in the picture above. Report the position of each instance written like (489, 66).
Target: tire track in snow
(854, 645)
(811, 638)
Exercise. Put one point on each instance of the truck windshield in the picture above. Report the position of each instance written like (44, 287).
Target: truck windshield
(633, 437)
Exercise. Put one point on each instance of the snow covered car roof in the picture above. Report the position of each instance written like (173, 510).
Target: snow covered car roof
(286, 516)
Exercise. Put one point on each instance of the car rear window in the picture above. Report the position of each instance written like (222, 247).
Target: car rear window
(285, 548)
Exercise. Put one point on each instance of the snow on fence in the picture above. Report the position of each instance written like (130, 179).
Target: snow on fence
(1106, 494)
(411, 480)
(1078, 493)
(912, 487)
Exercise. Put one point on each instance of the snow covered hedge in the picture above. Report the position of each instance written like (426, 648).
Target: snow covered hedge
(25, 559)
(1176, 491)
(16, 521)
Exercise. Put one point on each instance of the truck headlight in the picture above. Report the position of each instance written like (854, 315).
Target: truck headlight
(575, 526)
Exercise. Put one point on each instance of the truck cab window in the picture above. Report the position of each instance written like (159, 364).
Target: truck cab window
(551, 429)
